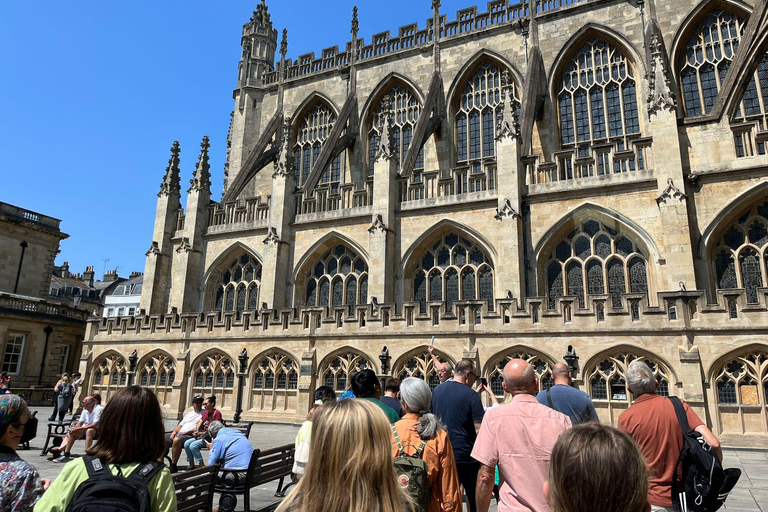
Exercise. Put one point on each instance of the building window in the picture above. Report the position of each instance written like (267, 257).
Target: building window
(405, 110)
(275, 372)
(120, 311)
(238, 286)
(590, 257)
(340, 278)
(131, 311)
(707, 57)
(157, 373)
(597, 102)
(742, 393)
(111, 312)
(109, 374)
(454, 268)
(607, 379)
(542, 368)
(421, 367)
(739, 256)
(337, 372)
(14, 350)
(214, 375)
(63, 359)
(311, 133)
(477, 115)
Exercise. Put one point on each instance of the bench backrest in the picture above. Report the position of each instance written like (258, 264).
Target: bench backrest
(194, 489)
(268, 465)
(243, 427)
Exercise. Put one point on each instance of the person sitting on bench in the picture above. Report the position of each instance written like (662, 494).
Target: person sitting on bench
(184, 431)
(232, 450)
(86, 428)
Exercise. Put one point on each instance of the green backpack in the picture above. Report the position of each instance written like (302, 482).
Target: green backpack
(413, 475)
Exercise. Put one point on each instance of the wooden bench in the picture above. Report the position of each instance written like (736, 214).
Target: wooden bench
(194, 489)
(265, 466)
(244, 427)
(57, 431)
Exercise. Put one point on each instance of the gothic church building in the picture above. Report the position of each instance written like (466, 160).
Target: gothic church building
(542, 179)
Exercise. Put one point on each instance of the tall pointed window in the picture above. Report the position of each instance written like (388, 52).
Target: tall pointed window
(739, 256)
(541, 367)
(597, 104)
(742, 393)
(109, 374)
(311, 133)
(454, 268)
(337, 372)
(405, 110)
(420, 366)
(339, 278)
(595, 259)
(607, 378)
(708, 55)
(238, 286)
(214, 375)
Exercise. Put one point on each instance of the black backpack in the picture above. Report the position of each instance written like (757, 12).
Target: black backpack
(105, 492)
(413, 475)
(704, 485)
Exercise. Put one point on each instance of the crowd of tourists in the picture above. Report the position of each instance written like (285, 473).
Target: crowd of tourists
(400, 447)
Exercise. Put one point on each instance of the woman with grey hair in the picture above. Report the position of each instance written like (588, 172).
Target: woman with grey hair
(421, 433)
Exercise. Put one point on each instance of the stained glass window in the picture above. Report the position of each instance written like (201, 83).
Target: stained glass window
(555, 284)
(216, 375)
(541, 367)
(239, 284)
(349, 273)
(311, 133)
(405, 113)
(613, 368)
(337, 371)
(158, 366)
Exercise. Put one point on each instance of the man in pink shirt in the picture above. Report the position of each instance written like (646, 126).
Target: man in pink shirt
(518, 438)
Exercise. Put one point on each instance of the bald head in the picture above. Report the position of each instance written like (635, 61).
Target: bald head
(519, 378)
(561, 374)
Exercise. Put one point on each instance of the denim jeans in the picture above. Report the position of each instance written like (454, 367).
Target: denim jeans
(193, 447)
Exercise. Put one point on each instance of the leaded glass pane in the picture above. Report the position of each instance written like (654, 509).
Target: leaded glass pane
(352, 291)
(725, 268)
(451, 287)
(459, 256)
(312, 293)
(219, 299)
(476, 257)
(603, 246)
(638, 279)
(485, 278)
(617, 285)
(758, 234)
(325, 292)
(599, 389)
(726, 393)
(435, 286)
(443, 257)
(563, 251)
(364, 290)
(420, 291)
(750, 273)
(582, 248)
(230, 298)
(734, 238)
(595, 278)
(253, 297)
(576, 281)
(269, 380)
(555, 283)
(338, 293)
(241, 298)
(624, 246)
(468, 284)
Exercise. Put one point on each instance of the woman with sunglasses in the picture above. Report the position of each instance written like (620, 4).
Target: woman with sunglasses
(20, 484)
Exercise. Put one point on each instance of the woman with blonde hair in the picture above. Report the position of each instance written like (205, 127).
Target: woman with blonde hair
(420, 426)
(597, 468)
(350, 463)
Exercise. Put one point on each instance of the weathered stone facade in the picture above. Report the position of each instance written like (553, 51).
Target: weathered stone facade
(542, 175)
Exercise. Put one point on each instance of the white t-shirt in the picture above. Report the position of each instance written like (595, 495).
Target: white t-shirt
(190, 421)
(89, 418)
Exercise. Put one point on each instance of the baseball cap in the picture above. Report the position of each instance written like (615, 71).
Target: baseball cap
(197, 399)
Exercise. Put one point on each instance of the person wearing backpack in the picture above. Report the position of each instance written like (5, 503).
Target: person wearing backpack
(122, 471)
(423, 455)
(653, 424)
(65, 393)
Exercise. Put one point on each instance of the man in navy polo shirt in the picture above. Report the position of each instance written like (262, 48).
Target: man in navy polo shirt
(566, 399)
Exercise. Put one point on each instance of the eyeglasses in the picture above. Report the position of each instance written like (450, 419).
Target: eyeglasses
(472, 374)
(399, 396)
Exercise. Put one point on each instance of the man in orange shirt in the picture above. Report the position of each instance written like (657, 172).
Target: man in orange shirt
(652, 423)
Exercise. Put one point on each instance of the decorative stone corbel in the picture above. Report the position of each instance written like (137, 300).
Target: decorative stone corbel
(506, 211)
(508, 127)
(670, 193)
(154, 250)
(377, 225)
(272, 237)
(184, 246)
(284, 162)
(660, 95)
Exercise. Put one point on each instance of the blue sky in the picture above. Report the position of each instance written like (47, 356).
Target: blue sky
(93, 93)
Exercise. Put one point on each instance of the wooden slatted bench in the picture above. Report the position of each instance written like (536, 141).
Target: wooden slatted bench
(56, 432)
(265, 466)
(194, 489)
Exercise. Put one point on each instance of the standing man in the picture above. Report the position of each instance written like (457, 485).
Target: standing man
(652, 423)
(566, 399)
(444, 370)
(366, 386)
(518, 437)
(461, 411)
(86, 428)
(184, 431)
(390, 396)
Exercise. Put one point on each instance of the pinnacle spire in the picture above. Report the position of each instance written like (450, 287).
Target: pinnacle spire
(201, 179)
(172, 180)
(355, 23)
(284, 44)
(261, 15)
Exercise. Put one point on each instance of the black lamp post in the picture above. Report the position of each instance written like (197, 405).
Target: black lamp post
(132, 360)
(385, 358)
(571, 359)
(48, 330)
(243, 358)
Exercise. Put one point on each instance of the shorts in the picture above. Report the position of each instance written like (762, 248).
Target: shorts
(169, 442)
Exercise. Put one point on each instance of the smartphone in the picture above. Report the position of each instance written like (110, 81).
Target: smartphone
(484, 381)
(432, 343)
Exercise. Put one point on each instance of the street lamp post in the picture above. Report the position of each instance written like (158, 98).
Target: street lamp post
(48, 330)
(243, 358)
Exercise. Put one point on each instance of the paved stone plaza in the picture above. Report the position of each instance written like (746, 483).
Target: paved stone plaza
(750, 495)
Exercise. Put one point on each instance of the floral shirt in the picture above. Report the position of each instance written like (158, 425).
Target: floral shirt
(20, 485)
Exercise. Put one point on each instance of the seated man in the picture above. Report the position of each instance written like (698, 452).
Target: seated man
(193, 446)
(86, 428)
(184, 431)
(232, 450)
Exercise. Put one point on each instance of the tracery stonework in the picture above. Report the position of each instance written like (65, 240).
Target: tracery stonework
(509, 181)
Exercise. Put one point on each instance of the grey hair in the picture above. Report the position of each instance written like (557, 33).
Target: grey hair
(640, 378)
(417, 397)
(214, 428)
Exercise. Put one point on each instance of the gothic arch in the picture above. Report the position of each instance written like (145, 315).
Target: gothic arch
(730, 212)
(228, 253)
(211, 352)
(153, 353)
(402, 359)
(718, 363)
(330, 356)
(541, 362)
(633, 349)
(272, 350)
(326, 243)
(336, 369)
(308, 101)
(469, 66)
(417, 363)
(515, 349)
(220, 266)
(389, 80)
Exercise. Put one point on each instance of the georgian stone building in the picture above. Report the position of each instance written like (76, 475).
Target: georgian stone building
(537, 179)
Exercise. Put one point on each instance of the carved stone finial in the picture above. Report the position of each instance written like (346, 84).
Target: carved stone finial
(506, 211)
(660, 95)
(272, 237)
(172, 179)
(185, 246)
(284, 44)
(386, 149)
(436, 5)
(229, 149)
(508, 126)
(671, 193)
(154, 250)
(201, 179)
(377, 225)
(261, 15)
(284, 162)
(355, 24)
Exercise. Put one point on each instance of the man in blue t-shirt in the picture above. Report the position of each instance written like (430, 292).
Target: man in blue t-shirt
(461, 410)
(566, 399)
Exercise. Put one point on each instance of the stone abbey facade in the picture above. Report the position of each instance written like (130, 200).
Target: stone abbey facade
(554, 177)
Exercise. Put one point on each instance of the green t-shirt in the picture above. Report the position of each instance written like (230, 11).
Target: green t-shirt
(56, 498)
(392, 415)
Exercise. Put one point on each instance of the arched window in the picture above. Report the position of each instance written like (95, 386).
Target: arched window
(741, 392)
(739, 258)
(420, 366)
(109, 375)
(214, 375)
(238, 286)
(275, 372)
(454, 268)
(311, 133)
(336, 372)
(708, 55)
(340, 278)
(542, 368)
(405, 110)
(590, 257)
(597, 104)
(607, 379)
(158, 373)
(477, 114)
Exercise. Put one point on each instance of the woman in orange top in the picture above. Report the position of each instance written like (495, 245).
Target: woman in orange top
(419, 424)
